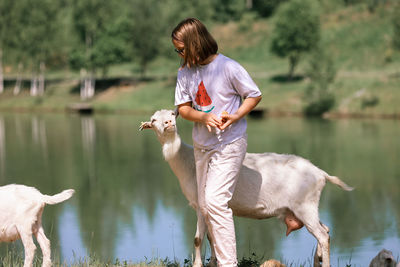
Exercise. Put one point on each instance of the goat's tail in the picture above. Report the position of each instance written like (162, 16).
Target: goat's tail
(60, 197)
(335, 180)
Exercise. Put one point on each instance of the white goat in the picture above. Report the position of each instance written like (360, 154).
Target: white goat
(21, 209)
(269, 185)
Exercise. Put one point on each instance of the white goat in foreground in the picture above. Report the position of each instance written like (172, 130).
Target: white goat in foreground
(21, 209)
(269, 185)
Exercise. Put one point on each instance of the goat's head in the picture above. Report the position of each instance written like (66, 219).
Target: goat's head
(163, 122)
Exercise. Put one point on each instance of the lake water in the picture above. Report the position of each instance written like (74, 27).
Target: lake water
(128, 204)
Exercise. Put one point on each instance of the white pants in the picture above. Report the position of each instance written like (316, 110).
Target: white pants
(217, 172)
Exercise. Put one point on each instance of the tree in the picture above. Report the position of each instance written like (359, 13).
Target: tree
(35, 26)
(44, 26)
(112, 46)
(322, 72)
(15, 40)
(100, 42)
(297, 31)
(6, 7)
(148, 28)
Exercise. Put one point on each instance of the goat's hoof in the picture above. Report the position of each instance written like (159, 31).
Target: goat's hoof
(317, 259)
(212, 262)
(317, 263)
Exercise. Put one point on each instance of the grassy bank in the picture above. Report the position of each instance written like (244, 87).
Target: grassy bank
(11, 259)
(366, 84)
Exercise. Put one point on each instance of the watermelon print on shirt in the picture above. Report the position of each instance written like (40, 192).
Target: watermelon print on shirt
(203, 100)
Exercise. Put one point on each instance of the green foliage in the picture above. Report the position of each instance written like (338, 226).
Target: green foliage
(369, 101)
(101, 40)
(266, 8)
(352, 2)
(372, 5)
(396, 27)
(177, 10)
(145, 35)
(6, 6)
(91, 17)
(297, 30)
(252, 261)
(226, 10)
(13, 258)
(317, 107)
(322, 70)
(247, 21)
(322, 73)
(32, 37)
(112, 45)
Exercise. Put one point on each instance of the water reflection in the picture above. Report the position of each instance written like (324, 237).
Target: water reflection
(145, 237)
(39, 136)
(72, 248)
(128, 203)
(88, 144)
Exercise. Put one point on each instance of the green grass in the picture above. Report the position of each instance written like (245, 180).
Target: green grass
(13, 259)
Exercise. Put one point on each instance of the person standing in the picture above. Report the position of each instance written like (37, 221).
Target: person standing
(215, 92)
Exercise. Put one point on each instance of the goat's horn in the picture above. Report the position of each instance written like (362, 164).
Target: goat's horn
(145, 125)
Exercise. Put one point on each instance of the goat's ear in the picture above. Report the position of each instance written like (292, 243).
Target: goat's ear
(176, 111)
(145, 125)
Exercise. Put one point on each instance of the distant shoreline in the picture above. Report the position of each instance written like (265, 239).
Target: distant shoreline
(265, 113)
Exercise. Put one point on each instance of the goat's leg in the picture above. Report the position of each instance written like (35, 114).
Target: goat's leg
(323, 241)
(213, 259)
(198, 239)
(320, 232)
(29, 246)
(318, 252)
(45, 246)
(318, 256)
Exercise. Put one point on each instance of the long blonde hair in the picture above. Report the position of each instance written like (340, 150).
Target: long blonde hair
(198, 42)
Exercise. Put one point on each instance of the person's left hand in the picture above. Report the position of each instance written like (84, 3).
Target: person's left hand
(227, 119)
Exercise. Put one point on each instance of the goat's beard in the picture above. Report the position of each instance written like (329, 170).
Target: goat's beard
(170, 129)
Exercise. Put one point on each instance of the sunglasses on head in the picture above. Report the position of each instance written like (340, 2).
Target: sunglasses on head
(179, 51)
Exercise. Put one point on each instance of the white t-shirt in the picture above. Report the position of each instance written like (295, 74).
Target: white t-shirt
(216, 87)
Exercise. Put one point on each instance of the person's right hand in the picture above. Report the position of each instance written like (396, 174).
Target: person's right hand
(211, 120)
